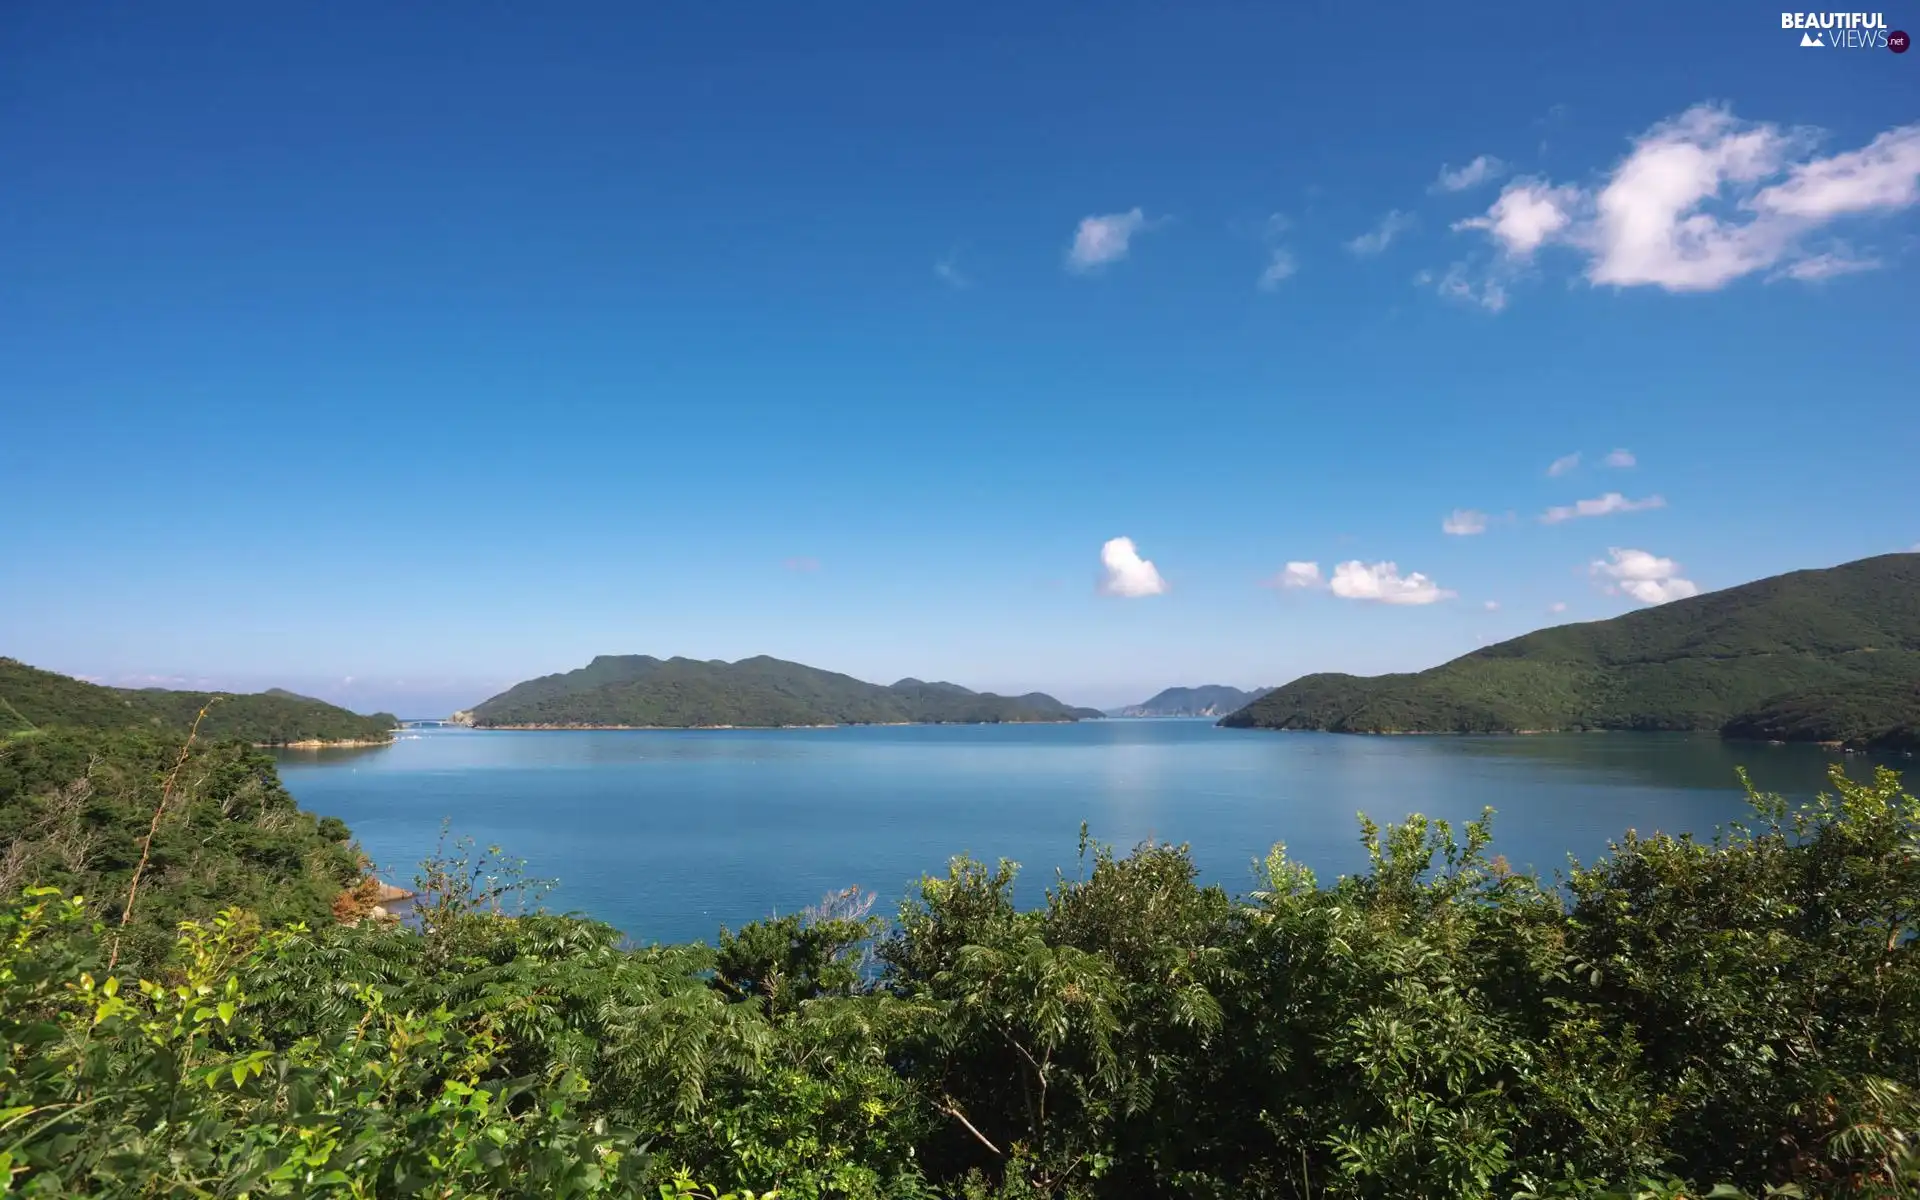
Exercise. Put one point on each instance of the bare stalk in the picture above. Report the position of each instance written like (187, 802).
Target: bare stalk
(159, 811)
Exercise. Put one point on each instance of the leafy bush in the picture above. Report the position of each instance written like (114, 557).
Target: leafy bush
(1743, 1011)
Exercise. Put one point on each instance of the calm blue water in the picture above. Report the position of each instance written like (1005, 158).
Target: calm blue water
(669, 834)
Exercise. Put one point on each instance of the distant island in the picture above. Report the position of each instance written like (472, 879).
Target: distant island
(626, 691)
(32, 699)
(1208, 700)
(1827, 656)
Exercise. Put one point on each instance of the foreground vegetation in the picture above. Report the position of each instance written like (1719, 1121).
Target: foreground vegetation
(1828, 656)
(32, 699)
(639, 690)
(1744, 1012)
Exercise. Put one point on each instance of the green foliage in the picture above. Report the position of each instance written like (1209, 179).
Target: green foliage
(1826, 655)
(638, 690)
(32, 699)
(1743, 1012)
(75, 808)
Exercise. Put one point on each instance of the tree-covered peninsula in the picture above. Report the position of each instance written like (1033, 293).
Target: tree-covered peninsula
(1828, 655)
(193, 1003)
(32, 699)
(638, 690)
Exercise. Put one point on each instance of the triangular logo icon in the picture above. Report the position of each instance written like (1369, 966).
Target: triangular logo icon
(1811, 39)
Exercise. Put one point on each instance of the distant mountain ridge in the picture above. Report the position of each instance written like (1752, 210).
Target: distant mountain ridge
(1208, 700)
(1829, 655)
(639, 690)
(31, 699)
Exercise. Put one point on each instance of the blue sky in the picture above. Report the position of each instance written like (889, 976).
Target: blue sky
(430, 347)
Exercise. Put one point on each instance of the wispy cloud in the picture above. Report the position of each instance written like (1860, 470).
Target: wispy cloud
(1557, 607)
(1475, 173)
(1125, 573)
(1646, 577)
(1620, 458)
(1463, 522)
(1705, 198)
(1382, 235)
(1104, 239)
(1281, 267)
(1599, 506)
(1464, 284)
(1382, 582)
(1560, 466)
(802, 565)
(947, 270)
(1491, 606)
(1827, 266)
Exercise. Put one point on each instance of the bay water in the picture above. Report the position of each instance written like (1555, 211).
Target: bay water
(668, 834)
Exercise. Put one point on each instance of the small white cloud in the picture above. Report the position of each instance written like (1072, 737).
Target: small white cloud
(1382, 235)
(1560, 466)
(1646, 577)
(1599, 506)
(1475, 173)
(1104, 239)
(947, 270)
(1383, 582)
(1528, 212)
(802, 565)
(1491, 606)
(1127, 574)
(1558, 606)
(1464, 521)
(1299, 575)
(1280, 268)
(1619, 458)
(1704, 198)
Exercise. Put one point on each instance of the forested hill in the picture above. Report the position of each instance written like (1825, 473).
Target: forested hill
(640, 690)
(1823, 655)
(34, 699)
(1208, 700)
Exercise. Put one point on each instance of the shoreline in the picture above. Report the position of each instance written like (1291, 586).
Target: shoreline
(830, 725)
(324, 744)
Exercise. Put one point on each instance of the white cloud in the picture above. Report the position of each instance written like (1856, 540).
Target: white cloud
(1560, 466)
(1298, 575)
(1280, 267)
(1619, 458)
(1382, 235)
(1127, 574)
(802, 565)
(1691, 206)
(1558, 606)
(1464, 521)
(1383, 582)
(1475, 173)
(1646, 577)
(1599, 506)
(1102, 240)
(1491, 606)
(1528, 212)
(948, 271)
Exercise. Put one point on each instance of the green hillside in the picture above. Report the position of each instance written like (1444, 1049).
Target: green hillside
(640, 690)
(1208, 700)
(1770, 658)
(34, 699)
